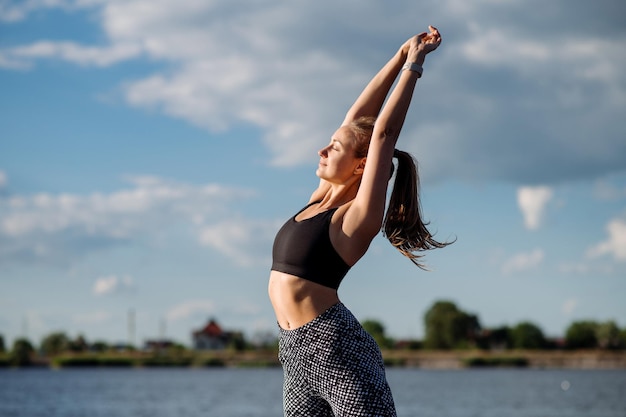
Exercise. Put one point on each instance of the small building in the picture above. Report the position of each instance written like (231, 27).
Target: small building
(158, 345)
(212, 337)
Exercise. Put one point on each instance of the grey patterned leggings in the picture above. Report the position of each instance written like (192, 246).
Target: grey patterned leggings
(333, 367)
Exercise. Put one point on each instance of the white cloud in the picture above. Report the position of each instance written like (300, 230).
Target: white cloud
(4, 180)
(113, 284)
(605, 190)
(293, 70)
(615, 244)
(575, 268)
(504, 47)
(244, 241)
(587, 267)
(190, 308)
(16, 11)
(56, 228)
(569, 306)
(229, 65)
(523, 262)
(499, 47)
(532, 202)
(73, 52)
(35, 320)
(8, 62)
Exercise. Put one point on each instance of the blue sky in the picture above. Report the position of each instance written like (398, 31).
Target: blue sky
(150, 150)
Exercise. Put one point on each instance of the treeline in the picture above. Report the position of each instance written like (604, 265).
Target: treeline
(57, 344)
(446, 327)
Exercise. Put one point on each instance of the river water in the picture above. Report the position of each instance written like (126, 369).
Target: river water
(257, 393)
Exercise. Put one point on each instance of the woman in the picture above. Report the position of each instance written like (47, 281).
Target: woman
(331, 365)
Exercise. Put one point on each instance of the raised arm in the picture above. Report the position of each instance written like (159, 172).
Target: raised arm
(391, 119)
(364, 218)
(371, 99)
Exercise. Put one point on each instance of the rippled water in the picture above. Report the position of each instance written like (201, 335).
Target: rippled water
(257, 393)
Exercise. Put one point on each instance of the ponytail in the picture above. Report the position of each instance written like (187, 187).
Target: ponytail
(403, 225)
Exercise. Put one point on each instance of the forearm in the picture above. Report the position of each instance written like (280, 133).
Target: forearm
(371, 99)
(391, 118)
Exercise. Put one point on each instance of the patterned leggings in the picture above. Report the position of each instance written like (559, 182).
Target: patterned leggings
(333, 367)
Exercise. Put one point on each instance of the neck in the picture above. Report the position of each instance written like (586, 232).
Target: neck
(334, 195)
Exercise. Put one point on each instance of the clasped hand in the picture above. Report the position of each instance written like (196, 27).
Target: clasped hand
(418, 46)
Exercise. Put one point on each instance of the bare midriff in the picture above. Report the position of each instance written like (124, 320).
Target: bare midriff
(297, 301)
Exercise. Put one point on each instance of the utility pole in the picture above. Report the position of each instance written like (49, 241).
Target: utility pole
(25, 327)
(162, 328)
(131, 327)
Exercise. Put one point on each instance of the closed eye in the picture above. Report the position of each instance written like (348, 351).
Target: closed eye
(336, 144)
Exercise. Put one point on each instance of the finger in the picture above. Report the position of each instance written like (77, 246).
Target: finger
(433, 31)
(422, 37)
(430, 39)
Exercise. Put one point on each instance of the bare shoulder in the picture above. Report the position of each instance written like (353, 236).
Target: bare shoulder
(351, 237)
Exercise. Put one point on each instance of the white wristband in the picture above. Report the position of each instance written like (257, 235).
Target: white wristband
(412, 66)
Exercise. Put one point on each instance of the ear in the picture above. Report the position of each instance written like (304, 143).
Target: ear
(360, 167)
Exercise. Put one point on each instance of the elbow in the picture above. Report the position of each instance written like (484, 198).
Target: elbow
(386, 134)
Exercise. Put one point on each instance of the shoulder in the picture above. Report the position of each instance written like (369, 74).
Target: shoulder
(350, 242)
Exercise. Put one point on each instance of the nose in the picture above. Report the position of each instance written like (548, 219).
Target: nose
(323, 152)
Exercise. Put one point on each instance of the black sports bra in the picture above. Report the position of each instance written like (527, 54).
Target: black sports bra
(303, 248)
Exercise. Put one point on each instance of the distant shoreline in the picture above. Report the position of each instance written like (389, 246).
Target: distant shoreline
(544, 359)
(425, 359)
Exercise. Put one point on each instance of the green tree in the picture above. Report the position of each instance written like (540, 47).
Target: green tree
(448, 327)
(100, 346)
(55, 343)
(237, 342)
(496, 338)
(22, 352)
(622, 338)
(582, 335)
(2, 346)
(527, 335)
(377, 330)
(607, 335)
(78, 345)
